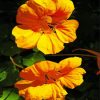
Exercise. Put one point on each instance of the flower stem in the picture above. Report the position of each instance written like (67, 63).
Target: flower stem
(83, 55)
(12, 60)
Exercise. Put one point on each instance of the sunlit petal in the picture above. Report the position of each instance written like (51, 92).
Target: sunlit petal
(49, 44)
(66, 31)
(25, 38)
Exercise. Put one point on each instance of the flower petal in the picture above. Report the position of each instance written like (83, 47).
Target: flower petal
(27, 18)
(58, 91)
(73, 78)
(45, 45)
(39, 92)
(71, 62)
(57, 45)
(23, 84)
(29, 73)
(46, 66)
(49, 44)
(48, 5)
(64, 9)
(78, 71)
(66, 82)
(25, 38)
(66, 31)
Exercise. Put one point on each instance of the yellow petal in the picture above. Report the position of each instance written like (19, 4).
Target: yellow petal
(25, 38)
(63, 92)
(78, 71)
(48, 6)
(71, 62)
(54, 96)
(39, 92)
(45, 45)
(49, 44)
(66, 5)
(66, 31)
(66, 82)
(59, 91)
(73, 78)
(57, 45)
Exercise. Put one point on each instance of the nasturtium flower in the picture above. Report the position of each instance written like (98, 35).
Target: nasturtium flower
(44, 24)
(45, 79)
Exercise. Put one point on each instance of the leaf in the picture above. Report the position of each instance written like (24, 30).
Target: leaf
(9, 48)
(10, 94)
(3, 75)
(97, 54)
(32, 58)
(10, 74)
(35, 50)
(18, 59)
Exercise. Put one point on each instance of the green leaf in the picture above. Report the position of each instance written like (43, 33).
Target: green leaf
(36, 50)
(3, 75)
(32, 58)
(10, 94)
(10, 74)
(9, 48)
(18, 59)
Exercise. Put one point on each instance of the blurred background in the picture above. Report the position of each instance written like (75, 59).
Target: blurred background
(87, 12)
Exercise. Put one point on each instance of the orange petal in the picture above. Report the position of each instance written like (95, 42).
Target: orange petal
(66, 31)
(25, 38)
(29, 73)
(46, 66)
(49, 44)
(27, 18)
(23, 84)
(64, 9)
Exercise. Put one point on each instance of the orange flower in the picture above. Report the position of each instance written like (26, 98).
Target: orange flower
(45, 79)
(42, 24)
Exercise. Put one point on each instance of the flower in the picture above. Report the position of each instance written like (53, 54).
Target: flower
(42, 24)
(45, 79)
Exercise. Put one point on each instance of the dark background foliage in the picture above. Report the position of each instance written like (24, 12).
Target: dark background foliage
(87, 12)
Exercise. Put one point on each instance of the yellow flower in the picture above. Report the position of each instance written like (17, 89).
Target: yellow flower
(42, 24)
(45, 79)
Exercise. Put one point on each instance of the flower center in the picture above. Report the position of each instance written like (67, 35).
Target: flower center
(52, 76)
(45, 22)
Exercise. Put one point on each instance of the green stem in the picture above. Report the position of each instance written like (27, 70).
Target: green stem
(12, 60)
